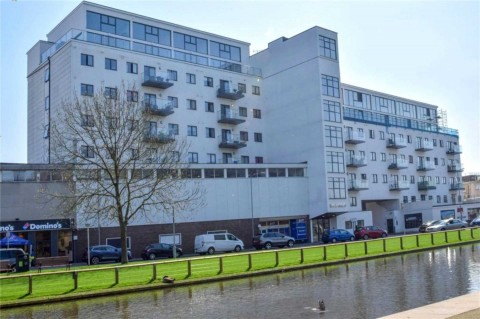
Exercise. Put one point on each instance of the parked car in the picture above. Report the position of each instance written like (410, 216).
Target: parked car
(210, 243)
(153, 251)
(334, 235)
(423, 227)
(272, 239)
(367, 232)
(447, 224)
(475, 222)
(101, 253)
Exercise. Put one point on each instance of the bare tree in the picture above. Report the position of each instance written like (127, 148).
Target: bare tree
(121, 165)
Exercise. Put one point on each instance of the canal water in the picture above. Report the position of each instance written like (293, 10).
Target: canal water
(368, 289)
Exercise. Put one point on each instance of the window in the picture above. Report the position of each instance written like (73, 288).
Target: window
(86, 89)
(257, 137)
(210, 132)
(333, 136)
(335, 162)
(87, 59)
(439, 199)
(190, 43)
(244, 159)
(353, 201)
(191, 130)
(192, 157)
(243, 136)
(173, 129)
(444, 180)
(242, 111)
(373, 156)
(445, 199)
(434, 142)
(132, 67)
(410, 159)
(443, 162)
(192, 104)
(423, 197)
(105, 23)
(46, 75)
(371, 133)
(409, 139)
(336, 188)
(225, 51)
(330, 86)
(295, 172)
(382, 135)
(212, 158)
(110, 64)
(384, 157)
(209, 107)
(132, 96)
(172, 75)
(331, 111)
(191, 78)
(413, 199)
(375, 178)
(412, 179)
(257, 113)
(242, 88)
(385, 178)
(151, 34)
(441, 143)
(258, 159)
(111, 93)
(208, 81)
(173, 101)
(87, 120)
(87, 151)
(328, 47)
(437, 180)
(435, 161)
(255, 90)
(405, 199)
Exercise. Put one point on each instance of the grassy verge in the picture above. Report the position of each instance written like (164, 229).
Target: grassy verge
(53, 283)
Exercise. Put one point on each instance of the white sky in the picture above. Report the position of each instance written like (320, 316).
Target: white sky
(427, 51)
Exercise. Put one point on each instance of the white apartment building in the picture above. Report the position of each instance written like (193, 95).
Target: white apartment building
(327, 154)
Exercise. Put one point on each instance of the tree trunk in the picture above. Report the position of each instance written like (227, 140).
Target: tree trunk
(123, 239)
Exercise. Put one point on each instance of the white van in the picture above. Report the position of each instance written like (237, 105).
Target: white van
(210, 243)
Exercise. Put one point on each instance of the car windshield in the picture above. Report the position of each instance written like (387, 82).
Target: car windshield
(437, 222)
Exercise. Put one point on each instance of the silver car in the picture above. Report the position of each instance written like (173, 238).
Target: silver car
(447, 224)
(272, 239)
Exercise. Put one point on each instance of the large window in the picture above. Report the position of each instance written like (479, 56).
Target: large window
(86, 59)
(173, 129)
(335, 162)
(108, 24)
(413, 220)
(333, 136)
(330, 86)
(111, 93)
(225, 51)
(209, 107)
(151, 34)
(86, 89)
(257, 137)
(190, 43)
(132, 67)
(87, 151)
(357, 99)
(328, 47)
(110, 64)
(192, 157)
(331, 111)
(336, 188)
(210, 132)
(191, 130)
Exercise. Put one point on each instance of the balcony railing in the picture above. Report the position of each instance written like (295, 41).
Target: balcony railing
(229, 117)
(424, 146)
(426, 166)
(158, 136)
(232, 141)
(456, 186)
(400, 163)
(455, 168)
(426, 185)
(399, 185)
(160, 108)
(357, 184)
(454, 149)
(160, 81)
(396, 143)
(354, 137)
(357, 161)
(229, 93)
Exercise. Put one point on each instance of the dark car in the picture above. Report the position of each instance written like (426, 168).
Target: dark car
(101, 253)
(334, 235)
(423, 227)
(153, 251)
(367, 232)
(475, 222)
(272, 239)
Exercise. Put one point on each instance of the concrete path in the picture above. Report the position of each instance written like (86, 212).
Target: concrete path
(463, 307)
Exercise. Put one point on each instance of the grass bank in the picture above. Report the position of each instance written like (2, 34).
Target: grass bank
(85, 281)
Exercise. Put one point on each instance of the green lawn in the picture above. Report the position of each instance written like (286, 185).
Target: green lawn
(55, 282)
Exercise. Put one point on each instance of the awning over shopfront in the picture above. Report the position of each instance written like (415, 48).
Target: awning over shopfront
(14, 241)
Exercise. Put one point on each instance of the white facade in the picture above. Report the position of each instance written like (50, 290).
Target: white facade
(294, 109)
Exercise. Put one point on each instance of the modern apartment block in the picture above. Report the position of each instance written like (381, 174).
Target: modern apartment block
(334, 155)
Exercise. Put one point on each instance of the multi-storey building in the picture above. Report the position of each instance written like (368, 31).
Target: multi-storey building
(362, 156)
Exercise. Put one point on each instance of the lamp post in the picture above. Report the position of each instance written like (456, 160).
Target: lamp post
(174, 253)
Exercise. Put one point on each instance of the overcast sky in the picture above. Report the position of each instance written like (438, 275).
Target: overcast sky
(422, 50)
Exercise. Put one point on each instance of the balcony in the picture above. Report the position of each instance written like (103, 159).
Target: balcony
(455, 168)
(396, 143)
(357, 184)
(229, 93)
(232, 141)
(424, 146)
(357, 161)
(399, 185)
(158, 136)
(426, 185)
(157, 81)
(454, 150)
(400, 163)
(354, 137)
(456, 186)
(162, 108)
(425, 166)
(229, 117)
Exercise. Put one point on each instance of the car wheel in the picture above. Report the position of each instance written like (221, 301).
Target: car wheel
(290, 243)
(237, 249)
(152, 256)
(94, 260)
(334, 240)
(384, 235)
(211, 251)
(268, 245)
(352, 238)
(365, 236)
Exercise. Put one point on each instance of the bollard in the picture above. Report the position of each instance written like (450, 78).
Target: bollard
(30, 285)
(116, 276)
(277, 262)
(220, 266)
(154, 272)
(189, 266)
(249, 261)
(301, 255)
(75, 280)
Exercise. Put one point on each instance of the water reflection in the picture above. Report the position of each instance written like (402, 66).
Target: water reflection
(367, 289)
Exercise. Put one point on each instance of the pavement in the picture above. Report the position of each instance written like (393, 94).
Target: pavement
(462, 307)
